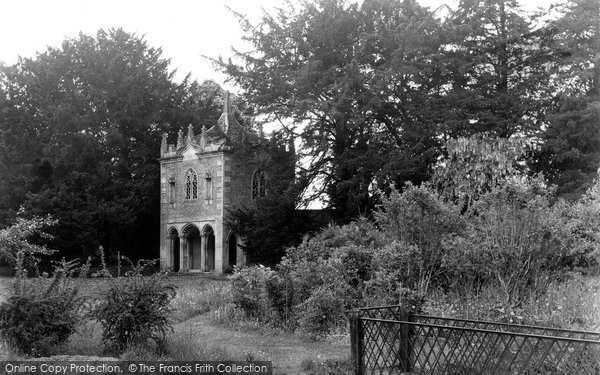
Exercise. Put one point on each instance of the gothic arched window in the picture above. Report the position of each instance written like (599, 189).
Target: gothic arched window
(259, 184)
(191, 184)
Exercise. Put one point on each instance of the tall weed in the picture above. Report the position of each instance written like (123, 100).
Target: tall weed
(42, 313)
(134, 310)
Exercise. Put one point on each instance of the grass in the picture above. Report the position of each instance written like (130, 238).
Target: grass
(198, 298)
(572, 304)
(195, 295)
(328, 367)
(186, 347)
(86, 341)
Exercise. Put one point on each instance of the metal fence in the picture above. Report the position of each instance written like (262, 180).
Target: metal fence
(388, 340)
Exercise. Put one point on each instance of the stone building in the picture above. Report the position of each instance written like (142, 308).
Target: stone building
(201, 176)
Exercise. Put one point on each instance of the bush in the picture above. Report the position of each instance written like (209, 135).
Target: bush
(280, 295)
(320, 247)
(248, 285)
(397, 267)
(500, 252)
(42, 313)
(37, 325)
(322, 312)
(577, 228)
(134, 310)
(419, 217)
(511, 242)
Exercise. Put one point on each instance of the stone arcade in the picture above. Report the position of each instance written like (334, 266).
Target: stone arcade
(200, 177)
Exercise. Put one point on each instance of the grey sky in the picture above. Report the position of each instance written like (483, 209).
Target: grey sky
(185, 29)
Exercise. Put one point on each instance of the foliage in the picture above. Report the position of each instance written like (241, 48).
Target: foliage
(570, 155)
(495, 63)
(576, 226)
(42, 313)
(337, 257)
(418, 217)
(135, 309)
(80, 130)
(322, 312)
(360, 232)
(279, 292)
(513, 242)
(569, 304)
(269, 224)
(17, 239)
(356, 88)
(248, 287)
(380, 89)
(475, 165)
(199, 298)
(397, 269)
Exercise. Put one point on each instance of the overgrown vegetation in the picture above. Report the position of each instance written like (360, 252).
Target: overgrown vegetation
(41, 315)
(135, 310)
(505, 251)
(44, 311)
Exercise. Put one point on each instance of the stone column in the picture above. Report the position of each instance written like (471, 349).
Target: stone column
(204, 245)
(171, 257)
(182, 253)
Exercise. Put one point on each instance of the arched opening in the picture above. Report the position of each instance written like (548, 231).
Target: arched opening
(232, 250)
(192, 251)
(259, 184)
(209, 238)
(174, 258)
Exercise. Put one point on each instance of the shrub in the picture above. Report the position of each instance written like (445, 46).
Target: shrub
(43, 312)
(322, 312)
(320, 247)
(511, 242)
(420, 217)
(247, 286)
(135, 309)
(396, 268)
(279, 291)
(577, 228)
(17, 239)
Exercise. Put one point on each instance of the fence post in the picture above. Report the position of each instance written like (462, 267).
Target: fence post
(405, 340)
(356, 342)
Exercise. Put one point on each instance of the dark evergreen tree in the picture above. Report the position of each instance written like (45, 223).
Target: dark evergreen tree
(80, 132)
(496, 66)
(356, 82)
(570, 153)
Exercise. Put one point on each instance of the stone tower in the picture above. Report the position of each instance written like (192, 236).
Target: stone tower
(200, 177)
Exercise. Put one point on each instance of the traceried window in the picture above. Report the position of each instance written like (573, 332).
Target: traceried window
(191, 184)
(259, 184)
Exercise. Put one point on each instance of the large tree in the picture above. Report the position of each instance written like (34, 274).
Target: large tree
(80, 130)
(496, 64)
(570, 154)
(356, 81)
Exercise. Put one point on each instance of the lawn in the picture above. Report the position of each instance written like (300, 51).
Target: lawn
(197, 337)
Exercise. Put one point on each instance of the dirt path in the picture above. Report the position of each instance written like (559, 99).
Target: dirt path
(287, 352)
